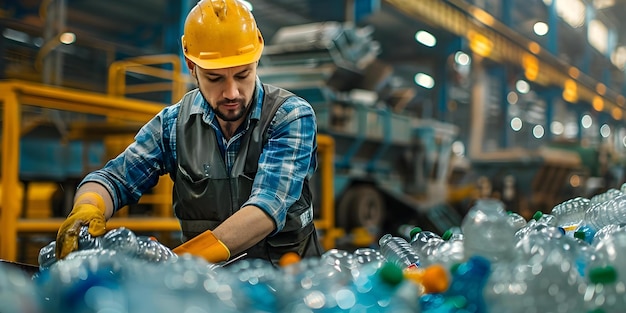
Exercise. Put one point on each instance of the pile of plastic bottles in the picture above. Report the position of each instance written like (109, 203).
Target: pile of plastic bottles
(567, 261)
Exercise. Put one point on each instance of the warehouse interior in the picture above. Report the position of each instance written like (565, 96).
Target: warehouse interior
(426, 106)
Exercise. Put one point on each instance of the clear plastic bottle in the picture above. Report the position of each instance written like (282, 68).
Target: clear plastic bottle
(468, 282)
(86, 241)
(398, 251)
(47, 255)
(367, 256)
(543, 218)
(611, 251)
(425, 243)
(516, 220)
(611, 211)
(548, 281)
(150, 249)
(605, 196)
(383, 289)
(450, 251)
(604, 292)
(18, 293)
(570, 214)
(487, 232)
(606, 231)
(122, 240)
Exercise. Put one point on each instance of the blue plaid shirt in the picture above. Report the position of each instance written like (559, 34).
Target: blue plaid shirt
(287, 159)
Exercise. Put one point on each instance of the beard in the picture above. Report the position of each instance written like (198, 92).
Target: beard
(232, 116)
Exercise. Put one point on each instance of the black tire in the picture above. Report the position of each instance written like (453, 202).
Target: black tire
(361, 206)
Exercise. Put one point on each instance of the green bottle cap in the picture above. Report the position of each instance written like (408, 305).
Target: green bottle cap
(391, 274)
(603, 275)
(415, 231)
(446, 235)
(580, 235)
(537, 215)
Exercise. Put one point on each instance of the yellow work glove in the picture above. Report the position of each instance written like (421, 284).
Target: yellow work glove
(206, 246)
(88, 211)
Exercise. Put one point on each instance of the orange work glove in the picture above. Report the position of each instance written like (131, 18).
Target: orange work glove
(83, 214)
(206, 246)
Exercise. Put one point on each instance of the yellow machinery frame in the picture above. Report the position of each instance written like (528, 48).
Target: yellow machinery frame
(14, 94)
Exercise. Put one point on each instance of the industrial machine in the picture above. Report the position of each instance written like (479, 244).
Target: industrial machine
(391, 167)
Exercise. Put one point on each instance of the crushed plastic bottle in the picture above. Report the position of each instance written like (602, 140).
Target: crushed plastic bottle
(487, 232)
(605, 293)
(398, 251)
(570, 214)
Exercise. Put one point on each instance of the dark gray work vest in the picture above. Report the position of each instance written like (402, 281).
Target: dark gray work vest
(205, 194)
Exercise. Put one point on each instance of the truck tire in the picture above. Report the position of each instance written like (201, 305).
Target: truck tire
(361, 206)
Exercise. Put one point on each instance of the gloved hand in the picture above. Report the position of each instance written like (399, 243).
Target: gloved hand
(83, 214)
(207, 246)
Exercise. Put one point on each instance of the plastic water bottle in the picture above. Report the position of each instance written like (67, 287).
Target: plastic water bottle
(47, 255)
(86, 241)
(450, 252)
(368, 256)
(548, 281)
(487, 232)
(604, 292)
(122, 240)
(605, 196)
(148, 248)
(398, 251)
(612, 211)
(611, 251)
(606, 231)
(18, 293)
(543, 218)
(383, 289)
(468, 282)
(570, 214)
(425, 243)
(516, 220)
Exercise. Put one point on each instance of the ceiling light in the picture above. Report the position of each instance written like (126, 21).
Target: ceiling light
(67, 38)
(522, 86)
(425, 38)
(424, 80)
(540, 28)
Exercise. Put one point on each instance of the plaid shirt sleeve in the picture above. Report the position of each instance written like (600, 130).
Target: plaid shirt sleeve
(137, 169)
(287, 159)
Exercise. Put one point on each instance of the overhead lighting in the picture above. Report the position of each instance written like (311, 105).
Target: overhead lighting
(462, 58)
(512, 97)
(424, 80)
(538, 131)
(516, 124)
(605, 130)
(586, 121)
(522, 86)
(15, 35)
(557, 128)
(540, 28)
(67, 38)
(425, 38)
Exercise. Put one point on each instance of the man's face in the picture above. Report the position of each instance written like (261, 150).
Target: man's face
(228, 91)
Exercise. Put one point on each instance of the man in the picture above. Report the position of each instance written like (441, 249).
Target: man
(240, 153)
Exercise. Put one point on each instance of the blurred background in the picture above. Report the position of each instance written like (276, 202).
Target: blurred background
(422, 106)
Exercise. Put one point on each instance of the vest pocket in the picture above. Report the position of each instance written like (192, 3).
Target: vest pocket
(293, 241)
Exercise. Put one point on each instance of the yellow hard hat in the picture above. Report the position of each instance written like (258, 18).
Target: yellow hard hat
(221, 34)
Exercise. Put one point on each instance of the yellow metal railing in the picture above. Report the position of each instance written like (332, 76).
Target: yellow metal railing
(15, 94)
